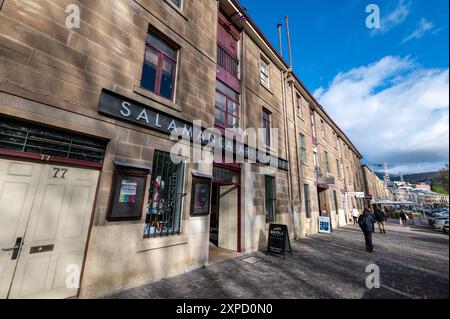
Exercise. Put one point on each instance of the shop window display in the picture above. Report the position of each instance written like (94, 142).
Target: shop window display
(164, 207)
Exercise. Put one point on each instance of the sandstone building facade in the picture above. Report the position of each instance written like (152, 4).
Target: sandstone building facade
(374, 186)
(91, 199)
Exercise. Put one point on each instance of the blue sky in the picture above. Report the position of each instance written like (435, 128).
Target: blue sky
(386, 88)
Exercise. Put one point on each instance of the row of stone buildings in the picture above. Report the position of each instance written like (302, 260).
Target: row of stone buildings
(375, 189)
(93, 198)
(419, 195)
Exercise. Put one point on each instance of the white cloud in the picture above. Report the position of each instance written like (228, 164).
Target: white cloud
(393, 18)
(394, 110)
(424, 27)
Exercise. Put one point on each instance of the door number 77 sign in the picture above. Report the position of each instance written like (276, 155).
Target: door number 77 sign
(59, 172)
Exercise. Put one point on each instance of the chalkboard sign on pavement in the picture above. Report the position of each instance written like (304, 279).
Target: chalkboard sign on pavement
(278, 242)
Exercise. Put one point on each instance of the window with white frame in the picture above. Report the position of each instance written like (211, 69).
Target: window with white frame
(176, 3)
(327, 162)
(335, 140)
(316, 159)
(313, 125)
(265, 73)
(322, 128)
(338, 168)
(307, 195)
(302, 149)
(299, 104)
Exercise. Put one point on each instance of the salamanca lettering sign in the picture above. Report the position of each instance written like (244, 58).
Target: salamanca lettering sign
(116, 106)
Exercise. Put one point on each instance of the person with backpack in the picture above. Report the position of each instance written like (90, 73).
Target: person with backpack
(366, 223)
(380, 218)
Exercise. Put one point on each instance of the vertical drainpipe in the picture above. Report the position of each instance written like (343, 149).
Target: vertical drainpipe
(285, 86)
(243, 107)
(284, 75)
(299, 167)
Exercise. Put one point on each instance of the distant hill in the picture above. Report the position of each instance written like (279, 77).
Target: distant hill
(412, 178)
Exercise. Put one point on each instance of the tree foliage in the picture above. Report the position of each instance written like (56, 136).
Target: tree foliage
(440, 182)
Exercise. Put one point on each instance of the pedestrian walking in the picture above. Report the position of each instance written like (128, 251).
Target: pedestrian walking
(355, 215)
(404, 218)
(380, 218)
(366, 223)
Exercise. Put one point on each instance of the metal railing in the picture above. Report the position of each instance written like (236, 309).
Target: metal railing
(32, 138)
(227, 61)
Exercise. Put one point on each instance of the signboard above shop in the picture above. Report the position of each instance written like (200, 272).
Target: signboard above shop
(329, 180)
(125, 109)
(356, 194)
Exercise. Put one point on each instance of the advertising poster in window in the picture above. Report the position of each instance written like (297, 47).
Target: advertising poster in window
(127, 198)
(128, 191)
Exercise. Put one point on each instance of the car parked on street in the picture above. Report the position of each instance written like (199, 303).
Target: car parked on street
(445, 229)
(440, 223)
(435, 216)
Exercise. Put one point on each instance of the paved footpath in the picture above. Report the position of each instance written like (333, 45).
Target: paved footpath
(413, 263)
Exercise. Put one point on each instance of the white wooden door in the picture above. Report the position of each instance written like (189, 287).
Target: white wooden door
(54, 240)
(18, 185)
(228, 214)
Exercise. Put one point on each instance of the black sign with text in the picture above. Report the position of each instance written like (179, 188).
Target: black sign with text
(117, 106)
(278, 242)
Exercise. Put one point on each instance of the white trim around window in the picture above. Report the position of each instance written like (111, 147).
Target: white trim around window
(265, 72)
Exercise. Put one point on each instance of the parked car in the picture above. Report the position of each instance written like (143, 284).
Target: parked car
(440, 223)
(445, 229)
(435, 216)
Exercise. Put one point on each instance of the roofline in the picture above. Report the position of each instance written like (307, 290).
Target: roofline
(249, 19)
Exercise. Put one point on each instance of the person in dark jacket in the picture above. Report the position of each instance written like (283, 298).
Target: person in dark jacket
(366, 222)
(404, 218)
(380, 218)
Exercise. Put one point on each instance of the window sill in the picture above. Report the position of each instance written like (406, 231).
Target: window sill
(267, 148)
(152, 96)
(301, 118)
(177, 9)
(163, 242)
(267, 88)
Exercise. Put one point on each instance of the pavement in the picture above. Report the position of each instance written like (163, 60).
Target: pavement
(413, 264)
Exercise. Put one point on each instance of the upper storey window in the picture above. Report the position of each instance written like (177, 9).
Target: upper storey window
(267, 119)
(227, 107)
(158, 72)
(265, 73)
(177, 3)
